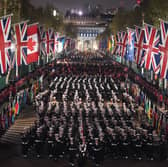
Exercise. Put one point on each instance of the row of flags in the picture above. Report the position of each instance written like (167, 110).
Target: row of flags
(103, 43)
(23, 44)
(111, 43)
(14, 107)
(155, 118)
(147, 46)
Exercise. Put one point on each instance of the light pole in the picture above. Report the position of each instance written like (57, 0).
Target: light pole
(5, 7)
(54, 13)
(80, 13)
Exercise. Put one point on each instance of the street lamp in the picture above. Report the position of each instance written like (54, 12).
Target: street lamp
(80, 13)
(5, 7)
(54, 13)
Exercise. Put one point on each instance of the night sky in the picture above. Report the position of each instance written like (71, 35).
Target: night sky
(65, 4)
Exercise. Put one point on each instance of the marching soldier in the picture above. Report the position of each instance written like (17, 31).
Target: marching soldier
(114, 146)
(97, 152)
(57, 147)
(90, 146)
(82, 154)
(125, 146)
(24, 145)
(156, 146)
(163, 148)
(72, 152)
(50, 144)
(149, 145)
(138, 147)
(38, 143)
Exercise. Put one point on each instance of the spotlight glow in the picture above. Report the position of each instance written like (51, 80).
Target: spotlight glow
(80, 13)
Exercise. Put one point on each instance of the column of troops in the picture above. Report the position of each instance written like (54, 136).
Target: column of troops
(90, 117)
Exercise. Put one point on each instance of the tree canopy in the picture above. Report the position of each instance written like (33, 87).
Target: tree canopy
(149, 10)
(24, 10)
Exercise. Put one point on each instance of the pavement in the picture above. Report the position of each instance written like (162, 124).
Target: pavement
(10, 156)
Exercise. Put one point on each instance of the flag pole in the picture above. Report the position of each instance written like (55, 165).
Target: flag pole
(16, 66)
(143, 22)
(6, 16)
(5, 7)
(47, 57)
(20, 22)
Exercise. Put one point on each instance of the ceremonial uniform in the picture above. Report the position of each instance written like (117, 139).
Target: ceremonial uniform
(24, 145)
(72, 149)
(38, 144)
(82, 155)
(57, 147)
(50, 145)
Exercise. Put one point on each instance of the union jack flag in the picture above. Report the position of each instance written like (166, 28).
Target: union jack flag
(130, 45)
(139, 38)
(42, 40)
(122, 43)
(164, 49)
(118, 47)
(61, 42)
(67, 40)
(151, 57)
(5, 43)
(21, 42)
(72, 46)
(50, 41)
(56, 42)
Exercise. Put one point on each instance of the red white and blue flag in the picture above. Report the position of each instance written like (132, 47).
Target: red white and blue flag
(56, 42)
(66, 44)
(122, 43)
(72, 44)
(50, 37)
(21, 43)
(32, 45)
(5, 43)
(61, 42)
(130, 45)
(164, 49)
(139, 39)
(42, 40)
(117, 50)
(151, 57)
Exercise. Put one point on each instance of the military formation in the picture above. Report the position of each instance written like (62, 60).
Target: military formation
(89, 117)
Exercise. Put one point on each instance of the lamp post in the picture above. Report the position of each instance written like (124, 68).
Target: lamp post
(5, 7)
(80, 13)
(54, 13)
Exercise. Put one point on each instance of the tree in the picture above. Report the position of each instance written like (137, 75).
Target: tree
(11, 6)
(154, 10)
(70, 30)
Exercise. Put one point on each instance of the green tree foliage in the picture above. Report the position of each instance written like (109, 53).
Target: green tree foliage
(125, 19)
(24, 10)
(151, 9)
(154, 10)
(105, 34)
(70, 30)
(27, 11)
(12, 6)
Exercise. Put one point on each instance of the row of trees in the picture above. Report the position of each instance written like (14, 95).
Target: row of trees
(24, 10)
(149, 11)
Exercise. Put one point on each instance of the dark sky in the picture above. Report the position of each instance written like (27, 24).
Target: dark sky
(65, 4)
